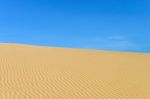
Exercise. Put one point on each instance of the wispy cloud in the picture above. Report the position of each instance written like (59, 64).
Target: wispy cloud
(115, 42)
(120, 42)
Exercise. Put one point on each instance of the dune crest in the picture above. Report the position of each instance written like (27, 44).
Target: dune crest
(30, 72)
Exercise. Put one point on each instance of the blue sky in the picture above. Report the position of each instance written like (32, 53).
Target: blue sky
(119, 25)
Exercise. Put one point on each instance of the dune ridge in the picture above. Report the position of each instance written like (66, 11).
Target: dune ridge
(32, 72)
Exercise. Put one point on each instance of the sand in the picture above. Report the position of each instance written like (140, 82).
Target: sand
(32, 72)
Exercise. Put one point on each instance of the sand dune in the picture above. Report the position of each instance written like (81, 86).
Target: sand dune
(29, 72)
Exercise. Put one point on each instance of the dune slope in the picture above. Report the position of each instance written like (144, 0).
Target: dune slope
(29, 72)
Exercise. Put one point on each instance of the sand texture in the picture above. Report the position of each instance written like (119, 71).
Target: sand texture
(31, 72)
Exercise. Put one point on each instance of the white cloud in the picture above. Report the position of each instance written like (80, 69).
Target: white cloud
(115, 42)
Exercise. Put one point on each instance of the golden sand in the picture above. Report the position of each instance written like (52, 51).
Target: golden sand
(29, 72)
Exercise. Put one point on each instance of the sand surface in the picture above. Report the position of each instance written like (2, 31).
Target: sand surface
(30, 72)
